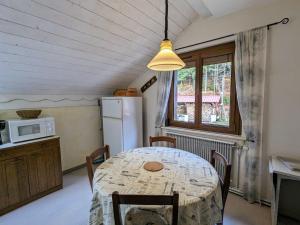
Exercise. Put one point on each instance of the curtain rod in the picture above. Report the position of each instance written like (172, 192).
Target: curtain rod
(283, 21)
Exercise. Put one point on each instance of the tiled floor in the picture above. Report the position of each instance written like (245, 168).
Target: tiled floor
(240, 212)
(70, 206)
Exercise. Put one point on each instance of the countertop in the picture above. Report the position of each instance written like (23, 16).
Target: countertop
(11, 145)
(277, 166)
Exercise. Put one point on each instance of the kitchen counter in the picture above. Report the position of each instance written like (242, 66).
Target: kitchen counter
(12, 145)
(28, 171)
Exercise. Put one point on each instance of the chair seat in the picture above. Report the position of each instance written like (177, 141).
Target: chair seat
(146, 215)
(143, 216)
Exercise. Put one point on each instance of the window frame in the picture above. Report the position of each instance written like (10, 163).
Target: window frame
(198, 56)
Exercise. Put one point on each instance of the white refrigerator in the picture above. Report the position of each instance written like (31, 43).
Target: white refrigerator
(122, 123)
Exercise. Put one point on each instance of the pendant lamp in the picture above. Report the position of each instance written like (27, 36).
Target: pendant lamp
(166, 59)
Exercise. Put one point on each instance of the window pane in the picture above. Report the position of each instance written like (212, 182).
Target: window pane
(184, 98)
(216, 94)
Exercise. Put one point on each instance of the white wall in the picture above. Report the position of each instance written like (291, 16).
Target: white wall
(77, 123)
(282, 104)
(149, 104)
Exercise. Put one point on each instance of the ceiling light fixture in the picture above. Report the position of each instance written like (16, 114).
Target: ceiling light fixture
(166, 59)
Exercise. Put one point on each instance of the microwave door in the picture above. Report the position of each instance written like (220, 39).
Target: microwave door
(26, 131)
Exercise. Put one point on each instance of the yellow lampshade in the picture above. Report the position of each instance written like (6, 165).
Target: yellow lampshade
(166, 59)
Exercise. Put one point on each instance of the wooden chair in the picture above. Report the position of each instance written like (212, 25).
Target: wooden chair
(144, 200)
(170, 140)
(225, 179)
(104, 151)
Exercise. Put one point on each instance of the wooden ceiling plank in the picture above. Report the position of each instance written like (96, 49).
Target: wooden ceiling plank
(37, 54)
(71, 63)
(86, 14)
(20, 90)
(14, 41)
(184, 9)
(42, 70)
(74, 40)
(122, 11)
(122, 33)
(81, 45)
(113, 16)
(14, 11)
(42, 88)
(11, 60)
(174, 15)
(200, 7)
(12, 28)
(48, 81)
(75, 24)
(154, 14)
(40, 82)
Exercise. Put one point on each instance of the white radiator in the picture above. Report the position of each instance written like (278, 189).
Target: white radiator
(202, 147)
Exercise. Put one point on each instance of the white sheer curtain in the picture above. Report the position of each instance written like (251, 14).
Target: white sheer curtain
(164, 87)
(250, 63)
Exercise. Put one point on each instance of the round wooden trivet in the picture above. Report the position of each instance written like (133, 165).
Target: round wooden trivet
(153, 166)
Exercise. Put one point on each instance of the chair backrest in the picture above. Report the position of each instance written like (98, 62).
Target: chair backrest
(145, 200)
(163, 138)
(225, 179)
(103, 151)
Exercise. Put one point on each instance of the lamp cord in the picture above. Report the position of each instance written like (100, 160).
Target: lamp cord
(166, 20)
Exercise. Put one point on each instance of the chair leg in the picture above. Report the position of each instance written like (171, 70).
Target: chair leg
(222, 218)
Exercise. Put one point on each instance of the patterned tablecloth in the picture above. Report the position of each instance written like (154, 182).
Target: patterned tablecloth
(200, 200)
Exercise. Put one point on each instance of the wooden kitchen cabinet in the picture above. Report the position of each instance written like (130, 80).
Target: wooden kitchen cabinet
(29, 171)
(43, 164)
(14, 181)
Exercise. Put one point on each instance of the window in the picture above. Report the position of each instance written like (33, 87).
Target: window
(185, 90)
(203, 94)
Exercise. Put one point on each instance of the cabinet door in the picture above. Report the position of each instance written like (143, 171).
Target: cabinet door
(3, 187)
(14, 181)
(43, 168)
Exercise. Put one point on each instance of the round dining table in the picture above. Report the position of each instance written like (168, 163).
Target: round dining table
(196, 181)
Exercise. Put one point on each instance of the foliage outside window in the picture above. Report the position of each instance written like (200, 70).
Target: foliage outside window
(203, 93)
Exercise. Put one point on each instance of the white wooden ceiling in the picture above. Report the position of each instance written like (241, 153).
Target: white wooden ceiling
(89, 46)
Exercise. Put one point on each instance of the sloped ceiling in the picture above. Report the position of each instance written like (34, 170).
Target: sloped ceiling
(89, 46)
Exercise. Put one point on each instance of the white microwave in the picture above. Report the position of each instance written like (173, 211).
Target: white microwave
(23, 130)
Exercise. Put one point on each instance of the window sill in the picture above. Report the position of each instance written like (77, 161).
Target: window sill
(228, 138)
